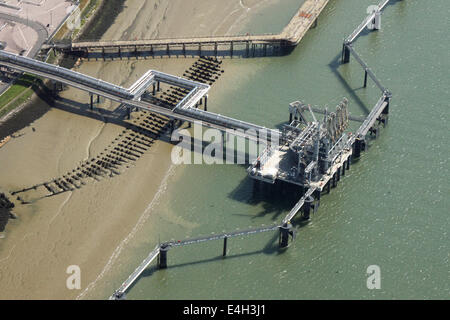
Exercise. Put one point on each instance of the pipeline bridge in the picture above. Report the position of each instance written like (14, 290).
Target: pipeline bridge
(290, 36)
(131, 97)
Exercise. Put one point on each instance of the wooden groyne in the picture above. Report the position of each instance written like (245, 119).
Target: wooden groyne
(243, 45)
(4, 141)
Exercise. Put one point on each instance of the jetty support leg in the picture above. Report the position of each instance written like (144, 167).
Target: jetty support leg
(225, 246)
(91, 96)
(358, 145)
(345, 54)
(284, 235)
(365, 78)
(162, 259)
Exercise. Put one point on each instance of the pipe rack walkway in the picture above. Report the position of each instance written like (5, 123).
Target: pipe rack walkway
(289, 37)
(381, 109)
(130, 98)
(160, 252)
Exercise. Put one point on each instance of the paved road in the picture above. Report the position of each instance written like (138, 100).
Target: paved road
(38, 27)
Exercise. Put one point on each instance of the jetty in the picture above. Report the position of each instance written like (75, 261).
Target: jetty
(309, 152)
(244, 45)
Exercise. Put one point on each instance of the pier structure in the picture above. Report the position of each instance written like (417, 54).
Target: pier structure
(309, 152)
(242, 45)
(318, 153)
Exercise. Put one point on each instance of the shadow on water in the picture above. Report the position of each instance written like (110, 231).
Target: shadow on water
(334, 66)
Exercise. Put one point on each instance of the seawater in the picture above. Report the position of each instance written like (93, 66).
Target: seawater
(391, 209)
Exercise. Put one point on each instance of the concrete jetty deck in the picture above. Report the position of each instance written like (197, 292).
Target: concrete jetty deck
(291, 35)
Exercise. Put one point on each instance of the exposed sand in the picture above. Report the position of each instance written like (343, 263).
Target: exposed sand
(84, 227)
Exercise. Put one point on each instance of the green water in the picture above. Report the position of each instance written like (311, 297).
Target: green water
(391, 208)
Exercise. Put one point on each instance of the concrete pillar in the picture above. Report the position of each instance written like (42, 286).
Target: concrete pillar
(128, 113)
(225, 246)
(154, 88)
(103, 53)
(91, 96)
(343, 169)
(348, 163)
(162, 261)
(168, 50)
(158, 86)
(231, 49)
(290, 118)
(120, 54)
(345, 54)
(184, 50)
(247, 49)
(284, 235)
(206, 102)
(199, 49)
(265, 49)
(365, 78)
(357, 146)
(334, 182)
(328, 186)
(215, 49)
(98, 99)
